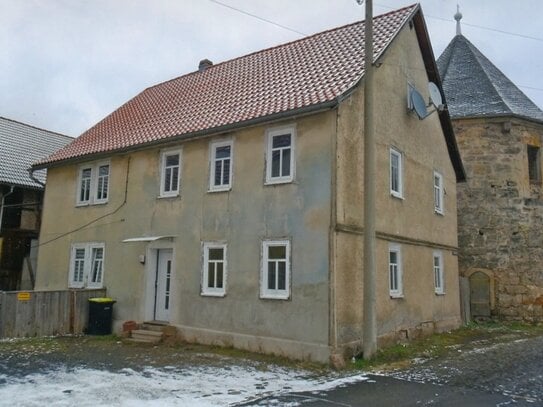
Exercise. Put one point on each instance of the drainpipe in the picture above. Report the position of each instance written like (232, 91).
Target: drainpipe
(33, 178)
(2, 205)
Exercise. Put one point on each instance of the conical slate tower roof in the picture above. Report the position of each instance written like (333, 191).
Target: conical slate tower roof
(474, 87)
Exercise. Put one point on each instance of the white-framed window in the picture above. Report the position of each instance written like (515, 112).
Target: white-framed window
(438, 193)
(87, 265)
(220, 169)
(93, 183)
(214, 269)
(396, 173)
(395, 271)
(280, 163)
(438, 273)
(170, 173)
(275, 269)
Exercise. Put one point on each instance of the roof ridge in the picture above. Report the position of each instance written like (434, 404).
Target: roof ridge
(447, 56)
(36, 127)
(481, 58)
(486, 64)
(285, 44)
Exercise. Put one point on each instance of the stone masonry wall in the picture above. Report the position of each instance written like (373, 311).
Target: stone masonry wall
(500, 214)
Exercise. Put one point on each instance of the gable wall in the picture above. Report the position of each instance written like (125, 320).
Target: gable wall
(410, 222)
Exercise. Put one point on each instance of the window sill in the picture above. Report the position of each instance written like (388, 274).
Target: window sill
(275, 297)
(439, 294)
(168, 196)
(396, 296)
(397, 196)
(440, 213)
(211, 294)
(279, 181)
(86, 204)
(225, 189)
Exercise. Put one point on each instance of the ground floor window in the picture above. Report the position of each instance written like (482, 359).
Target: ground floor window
(395, 271)
(214, 269)
(87, 265)
(438, 273)
(275, 270)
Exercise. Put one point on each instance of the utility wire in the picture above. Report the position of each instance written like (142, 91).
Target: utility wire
(391, 8)
(259, 18)
(473, 25)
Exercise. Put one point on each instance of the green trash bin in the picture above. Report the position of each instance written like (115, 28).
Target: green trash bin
(100, 316)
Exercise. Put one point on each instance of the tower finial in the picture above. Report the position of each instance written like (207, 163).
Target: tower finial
(458, 17)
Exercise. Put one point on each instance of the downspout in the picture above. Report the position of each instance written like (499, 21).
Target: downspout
(33, 178)
(2, 205)
(40, 204)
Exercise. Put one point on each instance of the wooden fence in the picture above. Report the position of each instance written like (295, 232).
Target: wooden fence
(44, 313)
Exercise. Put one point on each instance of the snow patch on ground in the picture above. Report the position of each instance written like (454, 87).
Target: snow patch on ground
(170, 386)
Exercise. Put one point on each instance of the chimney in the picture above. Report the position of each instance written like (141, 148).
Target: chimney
(204, 64)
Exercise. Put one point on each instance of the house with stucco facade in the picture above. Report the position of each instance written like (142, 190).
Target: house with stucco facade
(500, 207)
(227, 202)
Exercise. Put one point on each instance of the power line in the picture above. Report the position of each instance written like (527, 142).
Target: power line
(473, 25)
(259, 18)
(530, 87)
(391, 8)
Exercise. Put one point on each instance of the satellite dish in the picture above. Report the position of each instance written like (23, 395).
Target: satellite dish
(435, 96)
(418, 103)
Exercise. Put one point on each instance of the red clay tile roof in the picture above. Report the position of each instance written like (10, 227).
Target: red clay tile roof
(309, 72)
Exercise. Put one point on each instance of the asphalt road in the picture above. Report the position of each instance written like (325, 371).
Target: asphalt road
(389, 391)
(498, 370)
(480, 373)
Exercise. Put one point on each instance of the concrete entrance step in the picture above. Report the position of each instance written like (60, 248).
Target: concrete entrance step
(145, 335)
(154, 326)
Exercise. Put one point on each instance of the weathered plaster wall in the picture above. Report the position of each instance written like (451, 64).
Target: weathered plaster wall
(250, 212)
(500, 213)
(410, 221)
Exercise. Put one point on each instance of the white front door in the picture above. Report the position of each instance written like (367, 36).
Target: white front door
(163, 285)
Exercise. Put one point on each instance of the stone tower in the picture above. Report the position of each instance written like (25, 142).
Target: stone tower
(500, 208)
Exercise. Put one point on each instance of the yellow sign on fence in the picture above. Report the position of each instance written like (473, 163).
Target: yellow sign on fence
(23, 296)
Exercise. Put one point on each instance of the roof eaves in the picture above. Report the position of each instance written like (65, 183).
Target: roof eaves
(433, 75)
(306, 110)
(28, 185)
(500, 115)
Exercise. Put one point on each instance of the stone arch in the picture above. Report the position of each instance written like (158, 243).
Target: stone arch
(481, 283)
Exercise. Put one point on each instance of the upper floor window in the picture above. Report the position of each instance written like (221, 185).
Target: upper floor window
(396, 173)
(87, 265)
(395, 271)
(275, 272)
(170, 173)
(214, 269)
(438, 273)
(438, 192)
(280, 155)
(93, 185)
(220, 174)
(534, 164)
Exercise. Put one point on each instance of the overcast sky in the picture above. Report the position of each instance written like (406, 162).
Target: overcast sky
(66, 64)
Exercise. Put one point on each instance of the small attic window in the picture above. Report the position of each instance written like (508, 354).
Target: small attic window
(534, 166)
